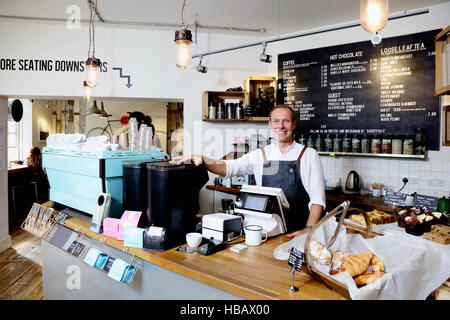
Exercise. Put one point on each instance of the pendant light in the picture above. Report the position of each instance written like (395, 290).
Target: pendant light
(373, 14)
(183, 44)
(87, 91)
(94, 110)
(92, 64)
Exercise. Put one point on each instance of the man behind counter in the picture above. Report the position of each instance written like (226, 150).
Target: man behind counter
(283, 164)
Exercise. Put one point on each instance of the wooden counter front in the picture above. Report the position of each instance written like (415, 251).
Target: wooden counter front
(252, 274)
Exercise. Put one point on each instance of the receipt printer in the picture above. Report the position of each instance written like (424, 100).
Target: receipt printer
(221, 226)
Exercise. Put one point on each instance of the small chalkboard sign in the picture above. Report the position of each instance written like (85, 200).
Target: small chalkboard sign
(424, 201)
(296, 259)
(395, 199)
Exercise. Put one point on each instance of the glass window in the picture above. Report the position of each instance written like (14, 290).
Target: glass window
(14, 142)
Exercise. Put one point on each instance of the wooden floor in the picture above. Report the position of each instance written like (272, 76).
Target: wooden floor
(21, 268)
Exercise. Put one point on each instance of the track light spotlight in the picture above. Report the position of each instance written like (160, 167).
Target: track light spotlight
(200, 68)
(376, 40)
(265, 57)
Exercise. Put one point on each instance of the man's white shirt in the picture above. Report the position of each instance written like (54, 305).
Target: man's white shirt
(311, 169)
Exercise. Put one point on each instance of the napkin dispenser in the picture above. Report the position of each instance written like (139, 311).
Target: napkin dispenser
(155, 238)
(263, 206)
(220, 226)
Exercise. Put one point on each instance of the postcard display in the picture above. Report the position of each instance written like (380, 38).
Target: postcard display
(358, 88)
(117, 264)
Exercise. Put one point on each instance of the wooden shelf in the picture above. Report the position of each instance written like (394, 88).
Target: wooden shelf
(440, 39)
(216, 96)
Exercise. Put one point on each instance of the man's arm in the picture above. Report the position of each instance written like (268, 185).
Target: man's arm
(315, 213)
(215, 166)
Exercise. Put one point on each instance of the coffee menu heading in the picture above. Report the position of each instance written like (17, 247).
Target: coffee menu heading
(358, 88)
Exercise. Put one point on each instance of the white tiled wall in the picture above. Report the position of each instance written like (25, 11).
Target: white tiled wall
(433, 174)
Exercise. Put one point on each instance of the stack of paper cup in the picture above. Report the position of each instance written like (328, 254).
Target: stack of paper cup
(133, 134)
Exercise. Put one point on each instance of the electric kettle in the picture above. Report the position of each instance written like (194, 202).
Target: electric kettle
(352, 184)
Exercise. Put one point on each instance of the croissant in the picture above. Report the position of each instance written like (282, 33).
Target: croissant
(357, 264)
(376, 264)
(337, 260)
(367, 278)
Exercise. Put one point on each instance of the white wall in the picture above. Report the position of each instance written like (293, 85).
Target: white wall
(5, 239)
(146, 55)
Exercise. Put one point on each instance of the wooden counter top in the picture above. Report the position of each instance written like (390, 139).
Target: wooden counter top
(333, 196)
(252, 274)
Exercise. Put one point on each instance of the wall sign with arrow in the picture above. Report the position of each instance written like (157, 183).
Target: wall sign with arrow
(124, 76)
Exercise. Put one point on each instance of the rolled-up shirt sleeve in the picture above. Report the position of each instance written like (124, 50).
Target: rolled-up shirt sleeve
(241, 166)
(313, 179)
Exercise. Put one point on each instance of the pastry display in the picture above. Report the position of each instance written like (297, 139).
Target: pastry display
(319, 253)
(375, 217)
(439, 233)
(357, 264)
(368, 277)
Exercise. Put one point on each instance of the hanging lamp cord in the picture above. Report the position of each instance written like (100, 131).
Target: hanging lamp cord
(92, 9)
(182, 15)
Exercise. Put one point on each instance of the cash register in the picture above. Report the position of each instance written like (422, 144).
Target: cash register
(263, 206)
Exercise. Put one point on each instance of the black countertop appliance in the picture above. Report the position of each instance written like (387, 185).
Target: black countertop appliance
(172, 198)
(352, 184)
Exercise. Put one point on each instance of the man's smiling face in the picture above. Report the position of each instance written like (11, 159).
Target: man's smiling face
(282, 125)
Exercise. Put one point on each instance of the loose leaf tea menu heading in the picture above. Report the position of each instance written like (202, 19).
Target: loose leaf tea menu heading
(357, 88)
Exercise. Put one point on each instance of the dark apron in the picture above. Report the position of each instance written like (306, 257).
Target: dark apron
(286, 175)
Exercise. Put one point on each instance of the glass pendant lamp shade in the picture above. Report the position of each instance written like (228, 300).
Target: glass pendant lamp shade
(94, 110)
(373, 14)
(92, 71)
(87, 91)
(183, 48)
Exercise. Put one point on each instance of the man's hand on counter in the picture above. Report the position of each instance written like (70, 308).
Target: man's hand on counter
(297, 233)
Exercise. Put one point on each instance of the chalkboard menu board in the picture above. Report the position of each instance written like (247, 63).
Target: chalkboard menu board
(357, 88)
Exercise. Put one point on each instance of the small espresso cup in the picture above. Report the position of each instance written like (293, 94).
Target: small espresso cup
(253, 235)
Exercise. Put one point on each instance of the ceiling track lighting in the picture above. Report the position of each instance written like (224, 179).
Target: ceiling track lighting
(200, 68)
(265, 57)
(183, 44)
(310, 32)
(92, 64)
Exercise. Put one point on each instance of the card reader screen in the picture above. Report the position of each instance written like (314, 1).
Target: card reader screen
(255, 203)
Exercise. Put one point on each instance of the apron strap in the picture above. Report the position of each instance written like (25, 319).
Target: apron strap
(264, 155)
(301, 154)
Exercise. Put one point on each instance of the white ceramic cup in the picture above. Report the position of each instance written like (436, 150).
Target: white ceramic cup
(194, 239)
(253, 235)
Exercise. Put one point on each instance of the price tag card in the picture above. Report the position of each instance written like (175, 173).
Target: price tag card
(427, 202)
(397, 199)
(296, 259)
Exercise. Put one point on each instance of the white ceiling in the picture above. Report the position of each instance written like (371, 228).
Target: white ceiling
(276, 16)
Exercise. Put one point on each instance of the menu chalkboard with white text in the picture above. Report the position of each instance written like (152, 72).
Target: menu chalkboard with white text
(358, 88)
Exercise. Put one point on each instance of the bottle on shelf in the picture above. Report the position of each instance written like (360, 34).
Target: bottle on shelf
(356, 144)
(328, 143)
(310, 141)
(337, 144)
(346, 144)
(365, 144)
(319, 143)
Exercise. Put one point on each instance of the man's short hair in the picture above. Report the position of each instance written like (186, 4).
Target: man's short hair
(281, 106)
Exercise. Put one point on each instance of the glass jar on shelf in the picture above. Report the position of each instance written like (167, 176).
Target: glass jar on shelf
(375, 146)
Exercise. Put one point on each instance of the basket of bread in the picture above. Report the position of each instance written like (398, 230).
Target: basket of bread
(361, 264)
(364, 267)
